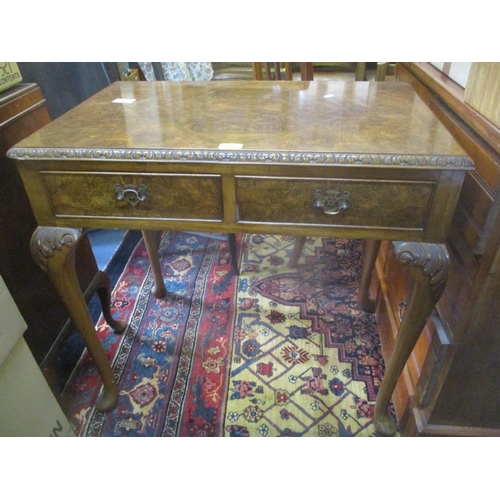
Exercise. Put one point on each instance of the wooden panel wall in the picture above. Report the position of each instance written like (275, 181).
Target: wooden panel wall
(483, 90)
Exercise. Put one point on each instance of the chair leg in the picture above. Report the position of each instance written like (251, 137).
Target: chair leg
(381, 71)
(267, 67)
(257, 70)
(277, 71)
(300, 241)
(231, 243)
(306, 71)
(360, 72)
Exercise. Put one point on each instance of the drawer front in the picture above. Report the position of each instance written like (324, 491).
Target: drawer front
(124, 195)
(366, 203)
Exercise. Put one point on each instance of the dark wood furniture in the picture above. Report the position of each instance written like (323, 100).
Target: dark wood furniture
(366, 160)
(284, 71)
(23, 111)
(265, 73)
(450, 385)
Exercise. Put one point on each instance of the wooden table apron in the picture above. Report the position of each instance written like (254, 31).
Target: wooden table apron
(366, 161)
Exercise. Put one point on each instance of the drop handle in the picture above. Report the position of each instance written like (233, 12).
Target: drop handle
(332, 202)
(401, 308)
(133, 195)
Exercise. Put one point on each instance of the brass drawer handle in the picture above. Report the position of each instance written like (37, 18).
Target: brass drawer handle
(332, 202)
(133, 195)
(401, 308)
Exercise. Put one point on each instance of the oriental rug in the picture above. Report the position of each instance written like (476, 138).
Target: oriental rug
(274, 351)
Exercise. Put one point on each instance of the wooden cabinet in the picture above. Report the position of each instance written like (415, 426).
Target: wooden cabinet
(23, 110)
(450, 384)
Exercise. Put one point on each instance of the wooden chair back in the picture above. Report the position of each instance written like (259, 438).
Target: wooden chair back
(383, 69)
(273, 71)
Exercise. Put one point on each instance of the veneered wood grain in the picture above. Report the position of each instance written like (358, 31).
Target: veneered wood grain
(319, 116)
(168, 195)
(374, 203)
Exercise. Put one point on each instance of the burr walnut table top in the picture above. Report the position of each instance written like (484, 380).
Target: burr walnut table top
(166, 120)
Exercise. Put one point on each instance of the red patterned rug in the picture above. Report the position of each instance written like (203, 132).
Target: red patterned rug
(272, 352)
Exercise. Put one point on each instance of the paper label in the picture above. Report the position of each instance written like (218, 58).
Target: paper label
(230, 145)
(124, 101)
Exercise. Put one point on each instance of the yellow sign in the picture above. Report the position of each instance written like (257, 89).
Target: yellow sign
(9, 75)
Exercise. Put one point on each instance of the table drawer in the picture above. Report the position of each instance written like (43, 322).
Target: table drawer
(353, 203)
(125, 195)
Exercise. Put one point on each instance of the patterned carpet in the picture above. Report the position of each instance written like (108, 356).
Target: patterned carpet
(272, 352)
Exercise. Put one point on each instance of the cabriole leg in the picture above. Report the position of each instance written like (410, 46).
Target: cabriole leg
(152, 241)
(54, 250)
(429, 267)
(370, 252)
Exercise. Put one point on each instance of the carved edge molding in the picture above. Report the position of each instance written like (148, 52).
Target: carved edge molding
(431, 259)
(46, 240)
(221, 156)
